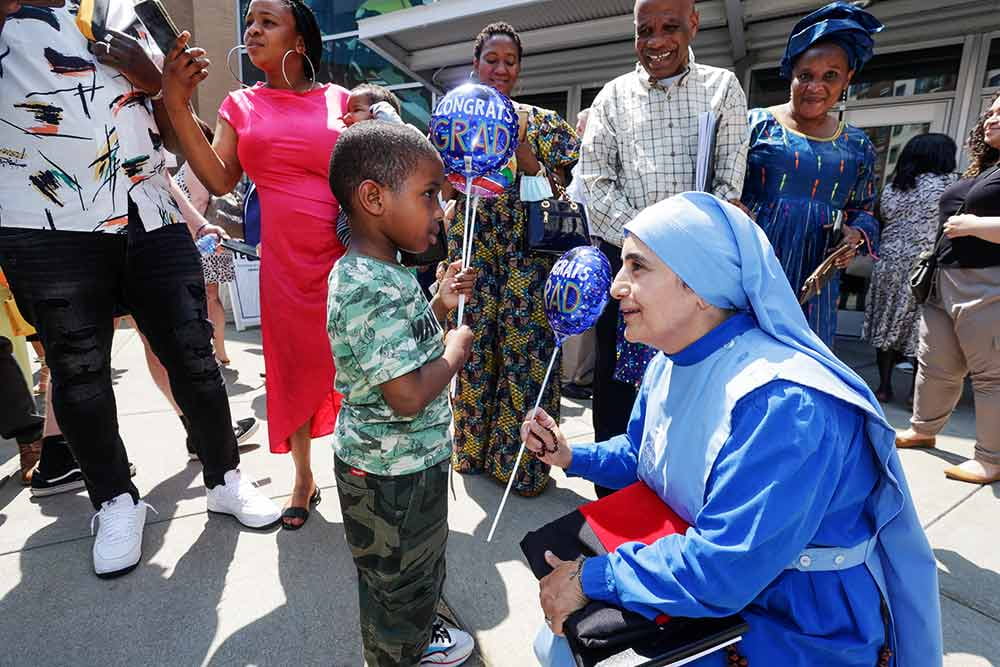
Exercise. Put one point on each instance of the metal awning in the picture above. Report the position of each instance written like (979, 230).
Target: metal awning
(588, 42)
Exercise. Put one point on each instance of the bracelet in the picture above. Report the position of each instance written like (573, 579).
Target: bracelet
(198, 231)
(158, 96)
(579, 568)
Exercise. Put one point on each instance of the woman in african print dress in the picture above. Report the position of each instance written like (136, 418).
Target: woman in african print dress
(513, 342)
(805, 166)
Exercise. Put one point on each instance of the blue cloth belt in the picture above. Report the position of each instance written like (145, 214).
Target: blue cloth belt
(824, 559)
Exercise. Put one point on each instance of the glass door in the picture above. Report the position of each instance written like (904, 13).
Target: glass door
(889, 128)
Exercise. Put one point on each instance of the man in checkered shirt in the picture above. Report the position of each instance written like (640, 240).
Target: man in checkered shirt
(641, 147)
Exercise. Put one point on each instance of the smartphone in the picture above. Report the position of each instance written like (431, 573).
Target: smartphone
(159, 24)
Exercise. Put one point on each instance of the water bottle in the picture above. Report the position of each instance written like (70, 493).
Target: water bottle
(207, 244)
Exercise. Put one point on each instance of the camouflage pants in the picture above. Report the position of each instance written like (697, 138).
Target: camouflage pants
(397, 529)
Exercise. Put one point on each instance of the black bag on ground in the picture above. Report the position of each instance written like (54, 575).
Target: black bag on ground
(599, 631)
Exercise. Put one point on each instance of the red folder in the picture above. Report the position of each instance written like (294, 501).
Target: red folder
(632, 514)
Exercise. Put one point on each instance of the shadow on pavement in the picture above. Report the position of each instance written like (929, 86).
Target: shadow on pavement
(318, 623)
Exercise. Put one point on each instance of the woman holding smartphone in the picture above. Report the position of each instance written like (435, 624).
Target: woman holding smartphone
(281, 133)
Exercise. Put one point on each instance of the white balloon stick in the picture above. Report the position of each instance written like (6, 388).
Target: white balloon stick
(520, 452)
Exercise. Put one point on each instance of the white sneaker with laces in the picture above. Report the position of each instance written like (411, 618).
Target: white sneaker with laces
(118, 546)
(240, 498)
(449, 646)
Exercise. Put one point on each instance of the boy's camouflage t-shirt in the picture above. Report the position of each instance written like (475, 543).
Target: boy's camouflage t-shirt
(381, 327)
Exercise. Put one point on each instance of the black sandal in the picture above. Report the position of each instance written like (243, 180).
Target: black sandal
(299, 512)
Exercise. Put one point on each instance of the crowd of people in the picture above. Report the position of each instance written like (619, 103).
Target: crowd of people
(711, 369)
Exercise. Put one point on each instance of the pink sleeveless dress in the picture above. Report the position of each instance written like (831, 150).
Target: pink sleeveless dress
(285, 143)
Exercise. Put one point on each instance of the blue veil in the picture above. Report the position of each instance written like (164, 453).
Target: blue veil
(727, 260)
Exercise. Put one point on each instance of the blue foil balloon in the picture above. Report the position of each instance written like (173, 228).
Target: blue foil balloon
(577, 290)
(476, 122)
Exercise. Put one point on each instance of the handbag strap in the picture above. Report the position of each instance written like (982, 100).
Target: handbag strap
(960, 211)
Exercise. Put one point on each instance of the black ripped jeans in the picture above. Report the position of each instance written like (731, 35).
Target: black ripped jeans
(69, 285)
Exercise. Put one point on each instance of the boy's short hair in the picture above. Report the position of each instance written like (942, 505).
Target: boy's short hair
(379, 151)
(378, 94)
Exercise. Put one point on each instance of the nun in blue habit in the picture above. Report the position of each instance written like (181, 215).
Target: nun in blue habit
(775, 452)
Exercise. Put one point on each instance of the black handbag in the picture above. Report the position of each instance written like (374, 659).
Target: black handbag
(599, 631)
(922, 278)
(924, 272)
(554, 225)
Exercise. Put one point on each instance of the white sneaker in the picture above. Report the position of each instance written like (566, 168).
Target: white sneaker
(449, 646)
(240, 498)
(118, 546)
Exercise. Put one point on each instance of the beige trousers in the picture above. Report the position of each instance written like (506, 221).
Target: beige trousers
(578, 355)
(960, 335)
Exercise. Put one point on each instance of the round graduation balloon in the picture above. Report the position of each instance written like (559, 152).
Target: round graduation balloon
(577, 290)
(476, 122)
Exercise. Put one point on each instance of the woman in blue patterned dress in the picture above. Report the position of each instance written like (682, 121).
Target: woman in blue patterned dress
(805, 166)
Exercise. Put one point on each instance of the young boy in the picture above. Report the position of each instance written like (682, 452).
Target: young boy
(371, 102)
(392, 437)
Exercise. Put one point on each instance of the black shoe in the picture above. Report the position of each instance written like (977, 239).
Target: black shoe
(243, 429)
(58, 471)
(573, 390)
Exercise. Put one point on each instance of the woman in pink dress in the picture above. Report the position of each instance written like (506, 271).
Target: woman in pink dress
(281, 133)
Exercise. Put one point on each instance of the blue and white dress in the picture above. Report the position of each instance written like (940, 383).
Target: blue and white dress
(794, 186)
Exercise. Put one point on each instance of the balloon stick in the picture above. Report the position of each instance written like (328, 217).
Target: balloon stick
(470, 230)
(520, 452)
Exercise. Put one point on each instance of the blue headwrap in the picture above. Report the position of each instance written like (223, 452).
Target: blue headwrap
(847, 26)
(724, 256)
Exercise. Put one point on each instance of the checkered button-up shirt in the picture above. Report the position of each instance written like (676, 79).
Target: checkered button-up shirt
(641, 144)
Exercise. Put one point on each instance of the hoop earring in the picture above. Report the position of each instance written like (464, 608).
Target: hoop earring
(312, 79)
(229, 64)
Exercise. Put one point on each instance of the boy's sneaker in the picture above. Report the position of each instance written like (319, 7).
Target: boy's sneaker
(240, 498)
(449, 646)
(243, 429)
(118, 546)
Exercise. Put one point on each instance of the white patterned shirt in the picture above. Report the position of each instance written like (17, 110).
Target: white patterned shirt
(641, 143)
(77, 140)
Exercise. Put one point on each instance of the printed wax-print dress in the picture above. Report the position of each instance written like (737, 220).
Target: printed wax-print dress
(909, 227)
(512, 341)
(794, 186)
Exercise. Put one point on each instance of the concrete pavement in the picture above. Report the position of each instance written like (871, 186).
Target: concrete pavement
(210, 593)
